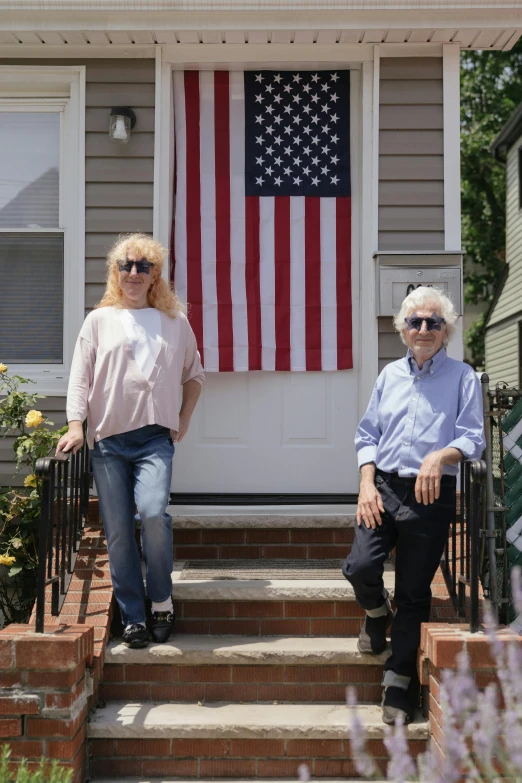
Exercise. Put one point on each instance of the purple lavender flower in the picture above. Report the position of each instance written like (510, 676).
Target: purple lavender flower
(516, 588)
(400, 766)
(304, 773)
(364, 763)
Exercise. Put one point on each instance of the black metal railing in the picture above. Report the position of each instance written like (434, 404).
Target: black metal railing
(476, 549)
(64, 481)
(461, 563)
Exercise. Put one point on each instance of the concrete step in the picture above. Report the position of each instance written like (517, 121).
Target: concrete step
(133, 739)
(262, 517)
(223, 780)
(241, 670)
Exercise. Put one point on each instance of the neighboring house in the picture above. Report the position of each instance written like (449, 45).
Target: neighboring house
(61, 73)
(504, 320)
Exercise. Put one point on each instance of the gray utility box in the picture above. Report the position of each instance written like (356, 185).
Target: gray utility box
(396, 282)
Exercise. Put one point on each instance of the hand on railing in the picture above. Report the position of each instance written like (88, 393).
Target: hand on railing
(73, 439)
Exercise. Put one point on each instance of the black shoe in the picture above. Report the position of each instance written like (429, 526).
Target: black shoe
(162, 624)
(372, 638)
(135, 636)
(395, 704)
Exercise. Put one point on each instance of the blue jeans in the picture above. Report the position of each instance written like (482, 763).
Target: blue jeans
(132, 472)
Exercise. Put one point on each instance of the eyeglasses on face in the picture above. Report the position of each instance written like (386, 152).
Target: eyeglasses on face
(142, 267)
(432, 324)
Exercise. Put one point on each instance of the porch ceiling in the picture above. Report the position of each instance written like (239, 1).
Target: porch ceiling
(502, 38)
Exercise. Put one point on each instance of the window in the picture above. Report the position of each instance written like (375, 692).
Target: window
(41, 220)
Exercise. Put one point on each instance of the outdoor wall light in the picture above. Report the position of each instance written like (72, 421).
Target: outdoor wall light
(122, 119)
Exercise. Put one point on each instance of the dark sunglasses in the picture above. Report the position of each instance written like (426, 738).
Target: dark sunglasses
(142, 267)
(432, 324)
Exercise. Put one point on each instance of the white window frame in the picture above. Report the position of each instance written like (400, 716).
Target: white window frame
(57, 89)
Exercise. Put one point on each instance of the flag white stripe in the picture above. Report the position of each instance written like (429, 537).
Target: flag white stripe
(328, 284)
(208, 221)
(237, 220)
(180, 234)
(297, 284)
(267, 282)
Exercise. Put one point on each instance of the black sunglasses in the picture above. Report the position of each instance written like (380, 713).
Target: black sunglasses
(432, 324)
(142, 267)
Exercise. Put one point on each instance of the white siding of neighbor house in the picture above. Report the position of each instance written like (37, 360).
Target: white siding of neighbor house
(119, 183)
(510, 299)
(502, 354)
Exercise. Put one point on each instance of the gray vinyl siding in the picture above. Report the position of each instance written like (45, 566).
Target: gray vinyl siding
(411, 155)
(502, 353)
(510, 300)
(51, 407)
(390, 344)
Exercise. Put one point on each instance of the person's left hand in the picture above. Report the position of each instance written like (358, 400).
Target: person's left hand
(183, 427)
(427, 486)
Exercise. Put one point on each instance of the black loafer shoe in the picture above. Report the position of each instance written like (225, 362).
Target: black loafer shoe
(136, 636)
(395, 704)
(162, 624)
(372, 638)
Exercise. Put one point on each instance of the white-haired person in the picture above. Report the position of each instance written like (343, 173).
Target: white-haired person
(134, 353)
(424, 416)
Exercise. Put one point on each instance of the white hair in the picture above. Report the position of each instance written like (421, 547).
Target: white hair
(427, 295)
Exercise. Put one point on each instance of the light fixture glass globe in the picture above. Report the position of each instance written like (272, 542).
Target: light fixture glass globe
(120, 128)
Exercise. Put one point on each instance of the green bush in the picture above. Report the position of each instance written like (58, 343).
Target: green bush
(20, 507)
(47, 772)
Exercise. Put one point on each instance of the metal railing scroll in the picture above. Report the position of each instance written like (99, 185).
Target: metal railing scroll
(64, 481)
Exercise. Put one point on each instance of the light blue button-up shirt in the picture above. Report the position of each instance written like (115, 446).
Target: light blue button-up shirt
(414, 412)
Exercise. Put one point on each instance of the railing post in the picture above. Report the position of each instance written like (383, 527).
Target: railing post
(490, 497)
(477, 469)
(42, 470)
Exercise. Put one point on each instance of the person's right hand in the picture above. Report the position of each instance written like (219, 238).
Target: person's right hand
(71, 441)
(370, 505)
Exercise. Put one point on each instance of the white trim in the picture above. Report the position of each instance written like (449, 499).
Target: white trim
(238, 56)
(67, 51)
(164, 149)
(39, 82)
(368, 335)
(451, 93)
(375, 143)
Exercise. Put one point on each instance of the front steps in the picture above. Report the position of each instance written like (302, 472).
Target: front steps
(253, 683)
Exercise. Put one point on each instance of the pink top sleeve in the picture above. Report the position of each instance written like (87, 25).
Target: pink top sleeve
(192, 368)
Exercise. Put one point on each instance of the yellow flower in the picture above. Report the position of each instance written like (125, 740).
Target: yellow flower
(30, 481)
(34, 419)
(7, 560)
(3, 367)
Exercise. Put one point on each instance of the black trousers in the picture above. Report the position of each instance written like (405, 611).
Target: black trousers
(419, 533)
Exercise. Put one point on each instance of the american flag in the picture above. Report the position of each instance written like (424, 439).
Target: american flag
(262, 228)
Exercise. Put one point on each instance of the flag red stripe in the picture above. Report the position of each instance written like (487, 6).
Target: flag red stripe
(282, 281)
(223, 259)
(194, 278)
(344, 283)
(313, 282)
(253, 291)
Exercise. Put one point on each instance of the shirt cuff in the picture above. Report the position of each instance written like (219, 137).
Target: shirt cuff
(75, 416)
(366, 454)
(469, 448)
(200, 378)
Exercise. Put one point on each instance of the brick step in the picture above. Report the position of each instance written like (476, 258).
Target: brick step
(242, 669)
(129, 739)
(268, 607)
(244, 542)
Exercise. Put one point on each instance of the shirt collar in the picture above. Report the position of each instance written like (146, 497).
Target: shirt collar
(429, 366)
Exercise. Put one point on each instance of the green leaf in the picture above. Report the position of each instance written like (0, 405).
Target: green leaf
(14, 570)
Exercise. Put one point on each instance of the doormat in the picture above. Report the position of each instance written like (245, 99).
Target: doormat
(262, 569)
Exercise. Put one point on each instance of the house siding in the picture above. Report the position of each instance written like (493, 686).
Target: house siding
(510, 301)
(119, 184)
(502, 354)
(411, 155)
(390, 345)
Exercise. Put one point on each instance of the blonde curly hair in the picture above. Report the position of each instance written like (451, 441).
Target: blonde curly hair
(160, 295)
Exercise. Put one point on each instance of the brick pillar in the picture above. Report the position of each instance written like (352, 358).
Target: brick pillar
(45, 684)
(440, 645)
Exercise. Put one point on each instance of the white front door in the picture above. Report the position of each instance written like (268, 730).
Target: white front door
(271, 432)
(282, 432)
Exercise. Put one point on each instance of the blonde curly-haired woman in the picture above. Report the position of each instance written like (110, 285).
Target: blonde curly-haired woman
(133, 353)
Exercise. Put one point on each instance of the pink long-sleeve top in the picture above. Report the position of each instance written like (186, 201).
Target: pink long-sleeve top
(107, 387)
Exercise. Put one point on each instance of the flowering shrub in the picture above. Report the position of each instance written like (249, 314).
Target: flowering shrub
(482, 742)
(20, 508)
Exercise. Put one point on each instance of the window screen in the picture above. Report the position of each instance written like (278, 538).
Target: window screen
(31, 304)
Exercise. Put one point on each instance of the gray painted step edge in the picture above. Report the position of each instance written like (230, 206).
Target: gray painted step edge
(266, 589)
(199, 650)
(207, 517)
(148, 720)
